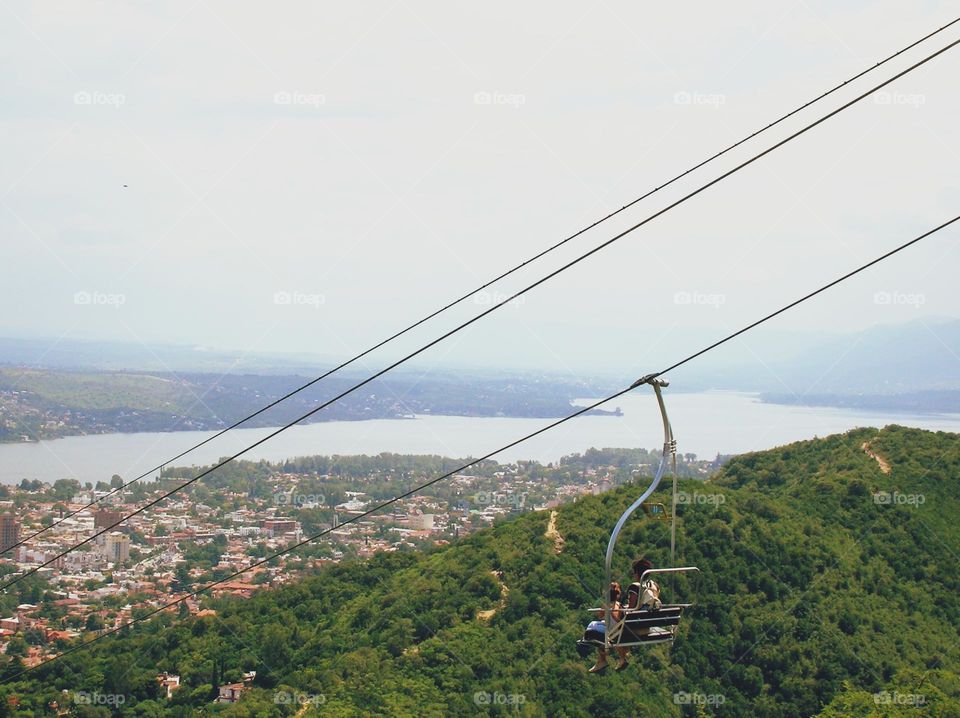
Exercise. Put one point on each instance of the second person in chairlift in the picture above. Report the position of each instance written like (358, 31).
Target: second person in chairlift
(643, 593)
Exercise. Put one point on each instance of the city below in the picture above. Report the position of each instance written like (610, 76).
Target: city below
(241, 514)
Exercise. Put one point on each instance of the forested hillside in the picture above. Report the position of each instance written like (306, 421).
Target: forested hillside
(42, 404)
(830, 587)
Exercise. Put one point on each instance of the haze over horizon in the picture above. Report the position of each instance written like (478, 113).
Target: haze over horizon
(777, 346)
(218, 178)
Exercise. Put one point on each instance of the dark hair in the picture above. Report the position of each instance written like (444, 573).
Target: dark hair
(641, 565)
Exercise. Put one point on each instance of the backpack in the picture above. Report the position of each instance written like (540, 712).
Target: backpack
(647, 593)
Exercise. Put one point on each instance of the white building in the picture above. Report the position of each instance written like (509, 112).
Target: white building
(422, 522)
(116, 548)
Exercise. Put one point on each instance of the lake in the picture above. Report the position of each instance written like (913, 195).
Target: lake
(704, 424)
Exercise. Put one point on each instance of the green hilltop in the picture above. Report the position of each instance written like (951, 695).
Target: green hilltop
(830, 587)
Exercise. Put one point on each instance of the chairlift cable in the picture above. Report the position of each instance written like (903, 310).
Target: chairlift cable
(643, 380)
(487, 284)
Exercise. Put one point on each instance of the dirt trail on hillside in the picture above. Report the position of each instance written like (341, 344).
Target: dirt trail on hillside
(553, 534)
(884, 466)
(485, 616)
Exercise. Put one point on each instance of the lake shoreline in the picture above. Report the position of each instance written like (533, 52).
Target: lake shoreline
(706, 424)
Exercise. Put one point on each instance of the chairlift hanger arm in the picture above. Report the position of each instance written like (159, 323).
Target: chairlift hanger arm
(669, 449)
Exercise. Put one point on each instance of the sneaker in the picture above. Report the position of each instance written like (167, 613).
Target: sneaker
(599, 668)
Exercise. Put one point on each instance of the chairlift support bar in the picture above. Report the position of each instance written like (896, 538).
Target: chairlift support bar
(669, 449)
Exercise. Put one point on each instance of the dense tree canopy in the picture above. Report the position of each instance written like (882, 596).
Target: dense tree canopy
(828, 587)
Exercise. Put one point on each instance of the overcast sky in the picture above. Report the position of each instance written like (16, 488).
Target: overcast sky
(310, 177)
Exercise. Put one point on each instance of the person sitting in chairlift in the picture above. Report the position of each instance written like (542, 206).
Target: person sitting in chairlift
(643, 593)
(597, 630)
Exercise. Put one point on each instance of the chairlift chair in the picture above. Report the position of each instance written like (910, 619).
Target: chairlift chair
(645, 626)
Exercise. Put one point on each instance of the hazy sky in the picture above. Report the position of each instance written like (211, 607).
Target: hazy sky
(309, 177)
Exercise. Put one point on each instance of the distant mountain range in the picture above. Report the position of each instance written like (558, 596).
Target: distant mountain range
(913, 366)
(76, 354)
(897, 359)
